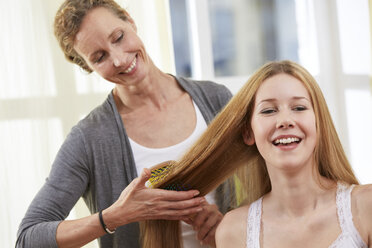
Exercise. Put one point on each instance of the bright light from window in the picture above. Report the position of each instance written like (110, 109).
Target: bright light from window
(25, 56)
(359, 120)
(24, 164)
(307, 38)
(354, 36)
(90, 83)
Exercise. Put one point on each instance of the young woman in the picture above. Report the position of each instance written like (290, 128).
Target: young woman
(312, 201)
(298, 185)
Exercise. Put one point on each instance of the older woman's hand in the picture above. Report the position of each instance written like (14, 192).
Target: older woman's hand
(205, 223)
(137, 203)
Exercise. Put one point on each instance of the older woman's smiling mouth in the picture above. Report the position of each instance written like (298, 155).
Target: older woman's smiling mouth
(131, 67)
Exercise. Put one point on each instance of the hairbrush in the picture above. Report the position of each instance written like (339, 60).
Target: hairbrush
(161, 171)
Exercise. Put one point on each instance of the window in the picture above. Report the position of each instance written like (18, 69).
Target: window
(226, 40)
(243, 34)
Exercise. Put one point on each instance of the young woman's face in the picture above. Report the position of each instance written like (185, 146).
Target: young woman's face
(283, 123)
(111, 47)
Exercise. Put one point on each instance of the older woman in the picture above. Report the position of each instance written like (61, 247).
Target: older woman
(149, 117)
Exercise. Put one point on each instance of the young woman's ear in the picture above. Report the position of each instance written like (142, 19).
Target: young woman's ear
(248, 136)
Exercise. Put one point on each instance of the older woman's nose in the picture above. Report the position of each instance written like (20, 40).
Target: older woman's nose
(119, 57)
(118, 61)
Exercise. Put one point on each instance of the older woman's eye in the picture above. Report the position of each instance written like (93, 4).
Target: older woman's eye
(99, 58)
(120, 37)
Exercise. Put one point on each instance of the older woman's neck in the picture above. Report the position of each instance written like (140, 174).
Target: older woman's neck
(156, 90)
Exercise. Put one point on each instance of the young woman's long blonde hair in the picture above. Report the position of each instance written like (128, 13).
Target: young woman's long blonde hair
(221, 152)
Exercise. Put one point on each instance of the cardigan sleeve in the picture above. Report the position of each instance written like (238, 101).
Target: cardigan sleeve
(65, 184)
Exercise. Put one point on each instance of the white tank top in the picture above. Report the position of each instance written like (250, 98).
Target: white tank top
(145, 157)
(349, 237)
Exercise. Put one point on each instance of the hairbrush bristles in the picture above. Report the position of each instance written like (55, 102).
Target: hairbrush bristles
(177, 187)
(159, 173)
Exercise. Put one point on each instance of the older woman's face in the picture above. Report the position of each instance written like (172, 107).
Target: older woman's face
(111, 47)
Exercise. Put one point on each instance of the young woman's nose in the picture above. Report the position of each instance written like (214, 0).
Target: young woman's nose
(284, 121)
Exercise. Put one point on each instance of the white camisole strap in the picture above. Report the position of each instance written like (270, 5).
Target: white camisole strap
(343, 201)
(254, 224)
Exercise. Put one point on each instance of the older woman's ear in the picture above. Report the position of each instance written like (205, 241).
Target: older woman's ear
(248, 136)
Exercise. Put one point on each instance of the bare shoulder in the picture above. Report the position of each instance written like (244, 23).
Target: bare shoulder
(361, 208)
(231, 232)
(362, 196)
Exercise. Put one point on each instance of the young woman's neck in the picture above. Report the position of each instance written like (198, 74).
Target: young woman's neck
(296, 195)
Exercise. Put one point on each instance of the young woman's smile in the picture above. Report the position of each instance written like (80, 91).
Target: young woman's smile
(286, 142)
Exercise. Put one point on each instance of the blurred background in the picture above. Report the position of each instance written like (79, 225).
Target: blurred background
(42, 95)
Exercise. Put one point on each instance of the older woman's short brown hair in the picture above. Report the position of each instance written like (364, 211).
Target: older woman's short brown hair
(68, 20)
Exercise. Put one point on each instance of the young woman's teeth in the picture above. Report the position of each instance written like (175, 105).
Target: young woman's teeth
(131, 67)
(286, 141)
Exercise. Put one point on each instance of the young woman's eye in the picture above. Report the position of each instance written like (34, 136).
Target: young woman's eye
(267, 111)
(299, 108)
